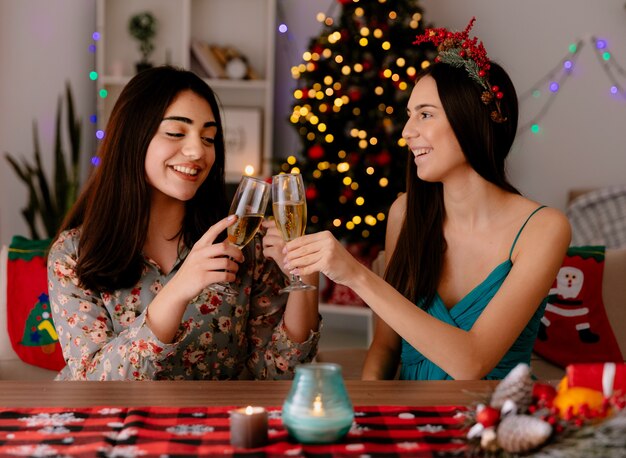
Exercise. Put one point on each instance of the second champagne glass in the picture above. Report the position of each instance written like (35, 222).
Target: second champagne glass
(249, 205)
(289, 208)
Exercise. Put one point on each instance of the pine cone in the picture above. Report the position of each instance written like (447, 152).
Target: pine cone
(446, 44)
(497, 117)
(486, 97)
(516, 386)
(521, 433)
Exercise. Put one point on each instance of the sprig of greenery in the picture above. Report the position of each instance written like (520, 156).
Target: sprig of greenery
(452, 57)
(606, 440)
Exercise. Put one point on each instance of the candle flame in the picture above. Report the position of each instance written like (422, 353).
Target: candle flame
(318, 409)
(249, 410)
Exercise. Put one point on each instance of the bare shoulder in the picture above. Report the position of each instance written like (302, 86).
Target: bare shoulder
(551, 220)
(547, 230)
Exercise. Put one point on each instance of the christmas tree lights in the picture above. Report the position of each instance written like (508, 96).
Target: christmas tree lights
(354, 82)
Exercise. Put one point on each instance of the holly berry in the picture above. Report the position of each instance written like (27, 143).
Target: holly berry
(488, 416)
(542, 392)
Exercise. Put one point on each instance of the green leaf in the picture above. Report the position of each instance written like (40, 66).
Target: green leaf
(60, 170)
(45, 202)
(74, 128)
(21, 173)
(43, 199)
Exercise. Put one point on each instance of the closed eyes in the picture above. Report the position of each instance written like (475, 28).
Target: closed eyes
(206, 140)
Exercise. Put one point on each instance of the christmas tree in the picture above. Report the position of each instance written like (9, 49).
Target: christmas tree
(39, 330)
(353, 87)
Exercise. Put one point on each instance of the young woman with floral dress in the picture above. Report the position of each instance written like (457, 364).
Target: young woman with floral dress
(129, 270)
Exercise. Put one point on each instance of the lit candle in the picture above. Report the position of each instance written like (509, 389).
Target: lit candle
(248, 427)
(318, 408)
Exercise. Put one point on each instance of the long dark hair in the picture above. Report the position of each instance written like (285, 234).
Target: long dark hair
(113, 210)
(416, 264)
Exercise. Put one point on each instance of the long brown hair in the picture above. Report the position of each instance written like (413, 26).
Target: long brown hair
(113, 210)
(416, 264)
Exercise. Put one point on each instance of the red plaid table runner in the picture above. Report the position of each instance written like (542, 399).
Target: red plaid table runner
(204, 431)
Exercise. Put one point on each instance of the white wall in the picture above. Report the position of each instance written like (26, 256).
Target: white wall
(45, 42)
(582, 141)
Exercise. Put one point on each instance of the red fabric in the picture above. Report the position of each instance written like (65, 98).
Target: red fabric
(194, 431)
(29, 322)
(575, 327)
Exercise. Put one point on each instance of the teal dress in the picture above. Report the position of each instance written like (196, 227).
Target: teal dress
(463, 315)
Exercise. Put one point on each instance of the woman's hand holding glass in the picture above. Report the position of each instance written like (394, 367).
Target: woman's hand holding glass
(207, 262)
(322, 252)
(289, 208)
(249, 205)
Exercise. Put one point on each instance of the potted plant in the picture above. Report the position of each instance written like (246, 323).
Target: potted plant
(48, 203)
(142, 27)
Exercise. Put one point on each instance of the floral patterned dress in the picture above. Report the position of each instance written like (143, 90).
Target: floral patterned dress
(104, 336)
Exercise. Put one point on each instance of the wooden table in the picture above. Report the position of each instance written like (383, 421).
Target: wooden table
(231, 393)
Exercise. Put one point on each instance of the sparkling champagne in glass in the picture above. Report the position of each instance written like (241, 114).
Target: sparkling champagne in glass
(289, 208)
(249, 205)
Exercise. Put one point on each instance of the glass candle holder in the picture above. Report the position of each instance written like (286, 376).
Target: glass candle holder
(318, 409)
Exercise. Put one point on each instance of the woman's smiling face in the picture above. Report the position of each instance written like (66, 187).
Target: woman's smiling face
(182, 152)
(429, 135)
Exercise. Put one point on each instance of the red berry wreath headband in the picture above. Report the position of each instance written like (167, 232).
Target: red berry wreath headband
(458, 50)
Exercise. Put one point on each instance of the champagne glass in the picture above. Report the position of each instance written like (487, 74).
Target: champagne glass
(249, 205)
(289, 208)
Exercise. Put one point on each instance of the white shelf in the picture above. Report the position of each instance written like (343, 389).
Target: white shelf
(247, 25)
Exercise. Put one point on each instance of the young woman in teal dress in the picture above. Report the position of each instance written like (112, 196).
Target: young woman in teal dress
(469, 259)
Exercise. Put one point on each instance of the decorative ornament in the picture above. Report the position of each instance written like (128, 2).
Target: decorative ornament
(354, 94)
(384, 158)
(567, 421)
(315, 152)
(522, 433)
(457, 49)
(489, 440)
(579, 401)
(236, 68)
(487, 416)
(311, 193)
(517, 386)
(543, 394)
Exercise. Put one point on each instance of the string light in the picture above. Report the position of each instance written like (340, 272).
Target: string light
(93, 76)
(557, 76)
(555, 79)
(610, 66)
